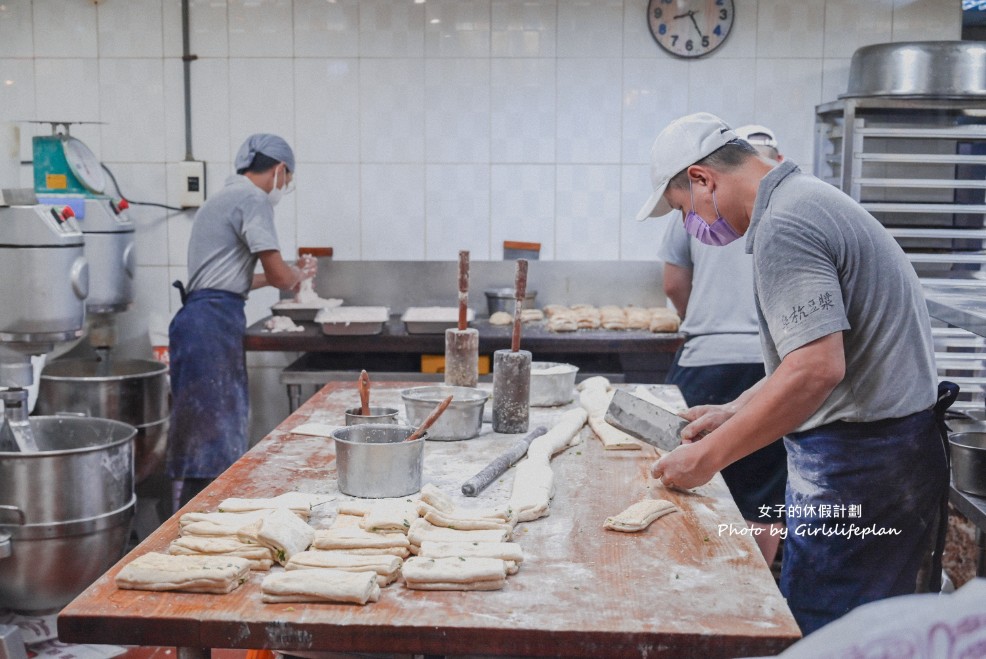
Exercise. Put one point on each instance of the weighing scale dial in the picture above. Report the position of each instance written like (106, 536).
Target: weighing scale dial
(84, 164)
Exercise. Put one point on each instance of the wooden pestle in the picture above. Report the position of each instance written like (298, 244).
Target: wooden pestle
(430, 421)
(512, 372)
(364, 393)
(462, 344)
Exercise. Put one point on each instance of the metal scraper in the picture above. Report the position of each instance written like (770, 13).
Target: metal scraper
(644, 420)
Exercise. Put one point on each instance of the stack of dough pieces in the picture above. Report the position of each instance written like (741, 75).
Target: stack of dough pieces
(385, 566)
(455, 573)
(533, 484)
(223, 534)
(531, 315)
(610, 317)
(283, 532)
(354, 540)
(189, 574)
(300, 503)
(321, 585)
(509, 552)
(261, 558)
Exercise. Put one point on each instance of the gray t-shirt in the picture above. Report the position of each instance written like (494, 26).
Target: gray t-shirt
(822, 264)
(721, 319)
(229, 230)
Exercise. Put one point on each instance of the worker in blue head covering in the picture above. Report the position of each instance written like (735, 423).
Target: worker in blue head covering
(232, 231)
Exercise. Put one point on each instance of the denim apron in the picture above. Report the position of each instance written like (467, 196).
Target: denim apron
(863, 505)
(209, 397)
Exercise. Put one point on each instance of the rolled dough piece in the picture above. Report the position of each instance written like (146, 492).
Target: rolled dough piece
(189, 574)
(422, 530)
(320, 585)
(283, 532)
(299, 503)
(595, 400)
(563, 434)
(436, 498)
(532, 490)
(466, 524)
(640, 515)
(387, 567)
(356, 538)
(501, 318)
(261, 558)
(229, 520)
(453, 570)
(505, 551)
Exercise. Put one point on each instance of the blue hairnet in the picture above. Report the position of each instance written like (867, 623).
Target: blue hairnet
(270, 145)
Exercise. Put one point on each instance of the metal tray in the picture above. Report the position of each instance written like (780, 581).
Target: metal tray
(433, 320)
(351, 321)
(302, 312)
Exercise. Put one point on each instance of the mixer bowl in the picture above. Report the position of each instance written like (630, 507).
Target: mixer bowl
(65, 511)
(133, 391)
(462, 420)
(374, 461)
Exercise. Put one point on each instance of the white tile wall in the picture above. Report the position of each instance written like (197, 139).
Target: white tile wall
(533, 118)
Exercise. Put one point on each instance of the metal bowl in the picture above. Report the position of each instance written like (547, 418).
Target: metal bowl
(552, 383)
(373, 460)
(919, 69)
(502, 299)
(463, 418)
(354, 416)
(969, 462)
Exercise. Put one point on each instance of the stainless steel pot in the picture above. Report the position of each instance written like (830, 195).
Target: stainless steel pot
(552, 383)
(462, 420)
(133, 391)
(373, 460)
(919, 68)
(969, 462)
(65, 511)
(502, 299)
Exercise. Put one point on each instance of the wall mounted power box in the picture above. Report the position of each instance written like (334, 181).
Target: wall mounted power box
(192, 186)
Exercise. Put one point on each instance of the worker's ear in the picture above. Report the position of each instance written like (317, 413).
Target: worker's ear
(700, 175)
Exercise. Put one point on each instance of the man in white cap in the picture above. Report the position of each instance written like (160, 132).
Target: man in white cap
(851, 378)
(232, 231)
(712, 289)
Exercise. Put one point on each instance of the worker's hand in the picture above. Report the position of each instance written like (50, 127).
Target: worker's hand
(704, 419)
(684, 468)
(308, 265)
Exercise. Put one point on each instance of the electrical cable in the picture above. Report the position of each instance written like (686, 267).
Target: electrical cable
(139, 203)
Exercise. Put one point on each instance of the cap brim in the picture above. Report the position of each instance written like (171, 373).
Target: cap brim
(656, 205)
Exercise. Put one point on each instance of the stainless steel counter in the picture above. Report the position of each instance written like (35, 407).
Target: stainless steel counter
(958, 305)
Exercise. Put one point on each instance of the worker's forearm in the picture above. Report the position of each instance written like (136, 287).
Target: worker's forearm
(259, 281)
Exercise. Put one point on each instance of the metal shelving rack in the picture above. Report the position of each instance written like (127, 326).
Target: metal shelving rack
(918, 164)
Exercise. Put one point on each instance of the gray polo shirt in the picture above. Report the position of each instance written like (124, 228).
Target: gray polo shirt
(721, 321)
(229, 230)
(822, 264)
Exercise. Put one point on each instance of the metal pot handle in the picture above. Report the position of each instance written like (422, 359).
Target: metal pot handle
(14, 510)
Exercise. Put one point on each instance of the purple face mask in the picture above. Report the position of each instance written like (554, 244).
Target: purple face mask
(718, 233)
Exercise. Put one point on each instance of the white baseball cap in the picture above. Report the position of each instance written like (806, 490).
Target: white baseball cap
(682, 143)
(757, 135)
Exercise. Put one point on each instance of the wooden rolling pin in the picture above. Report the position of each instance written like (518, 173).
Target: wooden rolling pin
(364, 393)
(495, 469)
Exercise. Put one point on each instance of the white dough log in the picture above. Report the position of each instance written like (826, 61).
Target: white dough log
(640, 515)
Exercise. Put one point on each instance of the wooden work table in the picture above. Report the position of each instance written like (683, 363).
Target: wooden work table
(682, 587)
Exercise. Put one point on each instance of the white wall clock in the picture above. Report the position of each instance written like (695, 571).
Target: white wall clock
(690, 28)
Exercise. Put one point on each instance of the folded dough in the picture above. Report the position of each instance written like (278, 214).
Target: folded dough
(454, 572)
(640, 515)
(595, 398)
(357, 538)
(563, 434)
(282, 531)
(189, 574)
(509, 552)
(299, 503)
(422, 530)
(466, 523)
(261, 558)
(320, 585)
(387, 567)
(390, 518)
(436, 498)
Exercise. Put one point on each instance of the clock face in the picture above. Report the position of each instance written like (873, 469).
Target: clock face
(690, 28)
(84, 164)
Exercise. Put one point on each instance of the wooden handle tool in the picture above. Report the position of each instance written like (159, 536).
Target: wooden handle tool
(364, 393)
(463, 289)
(520, 291)
(432, 418)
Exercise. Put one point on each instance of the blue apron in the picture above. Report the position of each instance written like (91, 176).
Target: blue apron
(209, 396)
(863, 501)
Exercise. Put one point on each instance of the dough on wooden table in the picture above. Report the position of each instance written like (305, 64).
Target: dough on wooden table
(503, 515)
(320, 585)
(422, 530)
(501, 318)
(436, 498)
(640, 515)
(563, 434)
(300, 503)
(595, 400)
(391, 518)
(225, 525)
(509, 552)
(283, 531)
(357, 538)
(387, 567)
(189, 574)
(532, 490)
(453, 572)
(342, 521)
(260, 557)
(466, 524)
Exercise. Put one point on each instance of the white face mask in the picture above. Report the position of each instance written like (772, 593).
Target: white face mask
(276, 194)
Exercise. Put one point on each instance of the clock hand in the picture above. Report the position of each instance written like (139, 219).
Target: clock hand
(691, 15)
